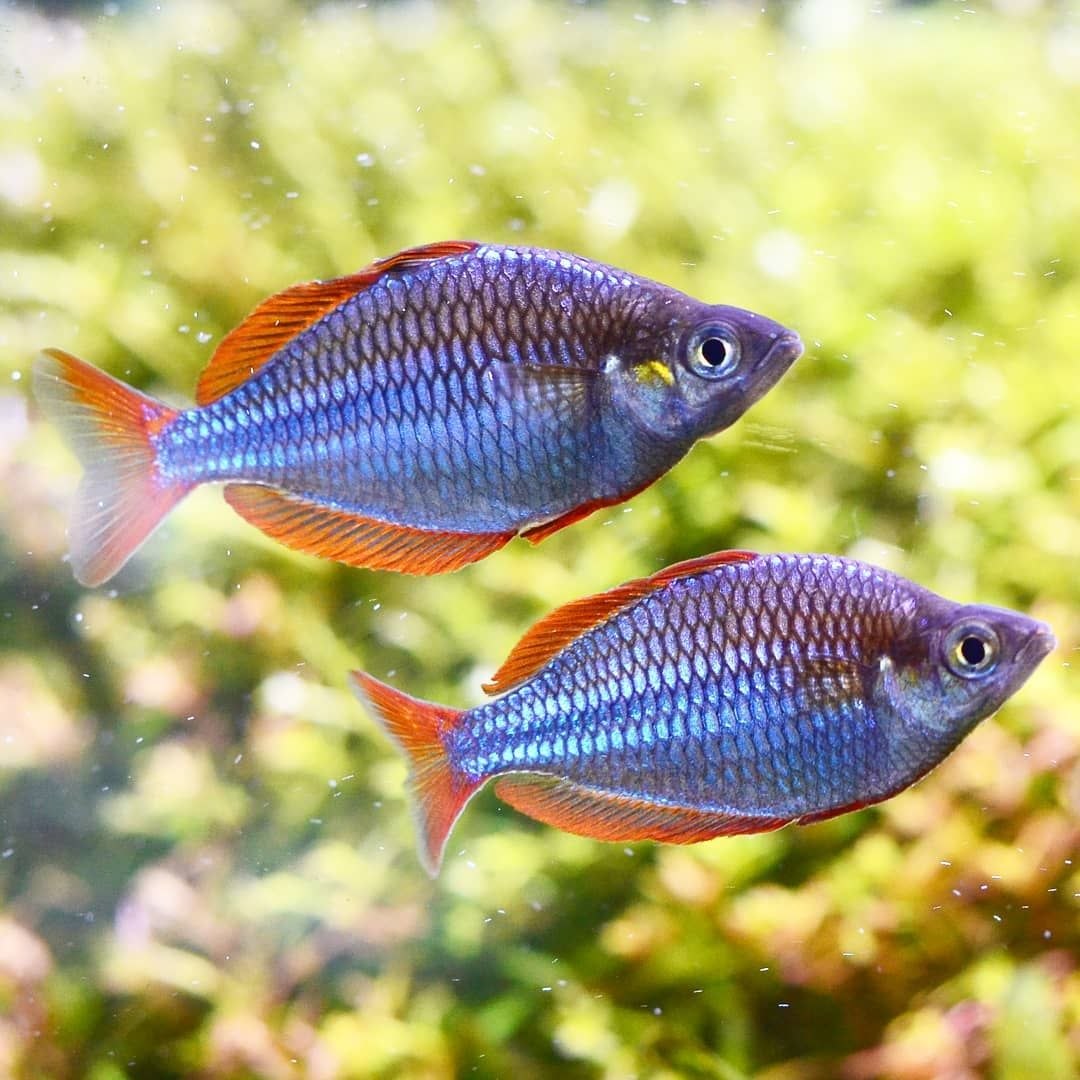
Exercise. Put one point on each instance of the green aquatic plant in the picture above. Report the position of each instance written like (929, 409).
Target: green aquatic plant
(206, 862)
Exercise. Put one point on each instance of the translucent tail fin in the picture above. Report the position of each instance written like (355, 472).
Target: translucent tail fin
(418, 727)
(111, 427)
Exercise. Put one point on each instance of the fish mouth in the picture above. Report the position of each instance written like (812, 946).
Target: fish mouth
(1040, 643)
(786, 348)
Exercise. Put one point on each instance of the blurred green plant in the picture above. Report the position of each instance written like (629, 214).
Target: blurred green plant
(206, 861)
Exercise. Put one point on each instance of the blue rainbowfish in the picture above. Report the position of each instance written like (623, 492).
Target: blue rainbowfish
(417, 415)
(734, 693)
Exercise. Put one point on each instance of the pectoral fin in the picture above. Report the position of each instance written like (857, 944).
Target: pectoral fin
(558, 389)
(559, 397)
(828, 681)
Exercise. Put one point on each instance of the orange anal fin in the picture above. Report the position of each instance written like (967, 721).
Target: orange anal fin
(419, 727)
(278, 319)
(354, 539)
(538, 533)
(604, 815)
(547, 638)
(112, 427)
(836, 811)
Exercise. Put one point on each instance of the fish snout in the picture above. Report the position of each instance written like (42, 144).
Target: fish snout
(1040, 643)
(786, 348)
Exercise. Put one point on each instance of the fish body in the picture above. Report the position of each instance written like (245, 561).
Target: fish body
(417, 415)
(730, 694)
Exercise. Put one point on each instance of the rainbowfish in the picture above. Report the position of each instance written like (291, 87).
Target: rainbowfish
(417, 415)
(733, 693)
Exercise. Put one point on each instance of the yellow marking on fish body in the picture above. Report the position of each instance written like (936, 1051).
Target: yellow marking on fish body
(654, 372)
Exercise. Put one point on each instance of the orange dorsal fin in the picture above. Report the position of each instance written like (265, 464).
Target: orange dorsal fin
(547, 638)
(606, 815)
(277, 320)
(690, 567)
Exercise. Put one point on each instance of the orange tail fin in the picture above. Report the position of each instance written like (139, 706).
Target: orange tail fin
(111, 427)
(418, 727)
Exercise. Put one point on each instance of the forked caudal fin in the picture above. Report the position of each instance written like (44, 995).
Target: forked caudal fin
(418, 727)
(111, 427)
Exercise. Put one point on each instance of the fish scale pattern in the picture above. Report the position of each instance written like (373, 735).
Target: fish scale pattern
(420, 397)
(735, 688)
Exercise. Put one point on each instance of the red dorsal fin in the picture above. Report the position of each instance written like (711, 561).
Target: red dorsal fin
(554, 632)
(605, 815)
(690, 567)
(354, 539)
(280, 318)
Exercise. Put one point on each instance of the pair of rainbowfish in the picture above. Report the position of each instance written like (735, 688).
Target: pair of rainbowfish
(419, 414)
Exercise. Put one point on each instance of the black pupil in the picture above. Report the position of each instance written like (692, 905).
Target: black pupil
(973, 651)
(714, 351)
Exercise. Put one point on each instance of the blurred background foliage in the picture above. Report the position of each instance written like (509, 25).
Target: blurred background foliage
(206, 862)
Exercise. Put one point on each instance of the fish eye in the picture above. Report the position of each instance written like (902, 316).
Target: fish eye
(972, 650)
(713, 352)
